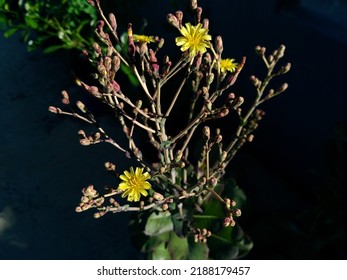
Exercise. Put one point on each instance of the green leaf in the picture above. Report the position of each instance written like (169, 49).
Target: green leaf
(10, 32)
(178, 247)
(158, 223)
(31, 22)
(161, 253)
(198, 251)
(54, 48)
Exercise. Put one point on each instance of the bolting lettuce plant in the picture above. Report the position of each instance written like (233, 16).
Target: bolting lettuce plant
(183, 204)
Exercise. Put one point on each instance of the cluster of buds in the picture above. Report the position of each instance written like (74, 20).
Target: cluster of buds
(89, 199)
(232, 212)
(91, 139)
(201, 235)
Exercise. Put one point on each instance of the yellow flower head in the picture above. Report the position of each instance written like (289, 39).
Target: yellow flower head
(228, 65)
(134, 184)
(143, 38)
(194, 38)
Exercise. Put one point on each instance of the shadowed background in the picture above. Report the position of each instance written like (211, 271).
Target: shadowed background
(293, 173)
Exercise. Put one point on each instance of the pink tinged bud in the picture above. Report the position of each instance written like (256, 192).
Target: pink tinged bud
(94, 91)
(219, 44)
(115, 86)
(65, 99)
(91, 2)
(131, 45)
(173, 20)
(97, 48)
(54, 110)
(205, 23)
(198, 15)
(113, 21)
(153, 61)
(115, 63)
(232, 78)
(179, 16)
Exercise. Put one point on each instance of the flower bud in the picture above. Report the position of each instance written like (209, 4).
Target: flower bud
(238, 102)
(158, 196)
(173, 20)
(219, 44)
(113, 21)
(54, 110)
(206, 131)
(237, 212)
(193, 4)
(81, 106)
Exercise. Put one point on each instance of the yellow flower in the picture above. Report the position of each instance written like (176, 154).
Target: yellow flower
(194, 38)
(143, 38)
(228, 65)
(134, 184)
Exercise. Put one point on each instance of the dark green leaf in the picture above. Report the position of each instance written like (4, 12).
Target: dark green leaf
(178, 247)
(10, 32)
(51, 49)
(158, 223)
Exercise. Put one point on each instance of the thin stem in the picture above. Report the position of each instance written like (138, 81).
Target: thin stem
(175, 97)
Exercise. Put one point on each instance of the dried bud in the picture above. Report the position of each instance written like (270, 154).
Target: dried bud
(78, 209)
(198, 15)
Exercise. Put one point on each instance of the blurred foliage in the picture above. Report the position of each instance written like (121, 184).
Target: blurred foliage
(52, 24)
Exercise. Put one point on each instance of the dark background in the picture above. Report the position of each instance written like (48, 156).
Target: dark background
(294, 173)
